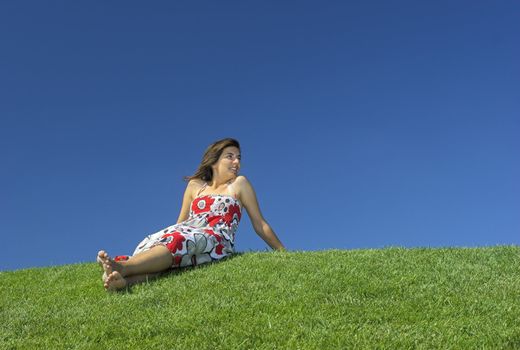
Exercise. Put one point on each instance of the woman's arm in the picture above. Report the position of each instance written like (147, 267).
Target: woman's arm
(260, 225)
(186, 200)
(268, 235)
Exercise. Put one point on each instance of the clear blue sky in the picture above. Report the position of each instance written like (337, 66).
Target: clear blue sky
(363, 124)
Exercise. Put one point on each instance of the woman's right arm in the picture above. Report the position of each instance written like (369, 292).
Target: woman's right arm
(192, 186)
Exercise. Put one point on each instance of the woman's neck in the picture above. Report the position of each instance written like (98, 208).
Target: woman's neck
(216, 183)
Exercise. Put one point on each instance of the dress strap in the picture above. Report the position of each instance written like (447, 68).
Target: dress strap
(202, 188)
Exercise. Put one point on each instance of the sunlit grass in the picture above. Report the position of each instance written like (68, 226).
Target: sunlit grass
(460, 298)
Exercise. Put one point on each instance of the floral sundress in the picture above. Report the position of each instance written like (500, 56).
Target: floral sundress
(207, 235)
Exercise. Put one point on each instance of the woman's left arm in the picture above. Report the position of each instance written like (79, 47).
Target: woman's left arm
(260, 225)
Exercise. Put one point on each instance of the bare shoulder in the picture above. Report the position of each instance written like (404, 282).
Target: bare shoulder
(241, 182)
(195, 182)
(193, 186)
(244, 190)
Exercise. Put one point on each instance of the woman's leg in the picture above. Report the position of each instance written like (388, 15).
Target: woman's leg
(156, 259)
(117, 274)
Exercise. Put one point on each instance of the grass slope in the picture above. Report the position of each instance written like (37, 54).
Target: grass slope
(460, 298)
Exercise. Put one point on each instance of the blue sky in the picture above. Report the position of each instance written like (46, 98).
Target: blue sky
(362, 124)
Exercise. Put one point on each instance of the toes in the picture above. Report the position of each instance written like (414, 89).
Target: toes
(114, 282)
(102, 257)
(108, 281)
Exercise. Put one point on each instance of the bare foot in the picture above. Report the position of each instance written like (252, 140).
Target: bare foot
(114, 282)
(102, 258)
(107, 264)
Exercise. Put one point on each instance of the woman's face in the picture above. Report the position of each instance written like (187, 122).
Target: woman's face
(228, 164)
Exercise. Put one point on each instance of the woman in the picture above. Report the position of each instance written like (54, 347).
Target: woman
(205, 230)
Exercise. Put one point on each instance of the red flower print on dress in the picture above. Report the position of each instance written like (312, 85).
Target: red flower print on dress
(202, 204)
(233, 209)
(212, 233)
(213, 220)
(173, 241)
(208, 234)
(177, 260)
(219, 247)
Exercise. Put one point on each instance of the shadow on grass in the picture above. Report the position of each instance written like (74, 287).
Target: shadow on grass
(178, 271)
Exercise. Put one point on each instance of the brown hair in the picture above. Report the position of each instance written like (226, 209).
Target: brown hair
(211, 156)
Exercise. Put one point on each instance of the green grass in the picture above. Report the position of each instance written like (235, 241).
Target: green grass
(392, 298)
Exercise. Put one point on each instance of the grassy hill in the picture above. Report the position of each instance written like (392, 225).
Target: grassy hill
(455, 298)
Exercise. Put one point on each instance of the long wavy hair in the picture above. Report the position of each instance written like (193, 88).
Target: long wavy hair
(211, 156)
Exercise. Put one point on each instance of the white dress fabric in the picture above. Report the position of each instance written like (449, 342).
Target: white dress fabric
(207, 235)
